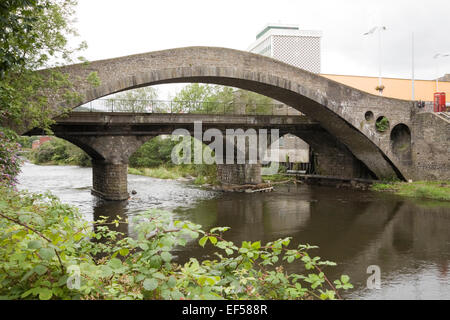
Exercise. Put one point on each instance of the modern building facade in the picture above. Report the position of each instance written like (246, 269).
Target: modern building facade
(287, 43)
(395, 87)
(302, 49)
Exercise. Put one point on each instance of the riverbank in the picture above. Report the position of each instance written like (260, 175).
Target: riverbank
(180, 173)
(435, 190)
(188, 174)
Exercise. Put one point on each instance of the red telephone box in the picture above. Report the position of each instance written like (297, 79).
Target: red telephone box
(439, 102)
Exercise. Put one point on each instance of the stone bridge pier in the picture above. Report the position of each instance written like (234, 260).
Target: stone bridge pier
(110, 156)
(241, 160)
(109, 180)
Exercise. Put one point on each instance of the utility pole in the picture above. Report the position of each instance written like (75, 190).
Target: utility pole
(412, 75)
(371, 31)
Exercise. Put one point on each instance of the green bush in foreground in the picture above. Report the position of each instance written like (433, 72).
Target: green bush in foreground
(46, 247)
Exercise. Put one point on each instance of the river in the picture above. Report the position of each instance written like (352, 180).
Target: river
(408, 239)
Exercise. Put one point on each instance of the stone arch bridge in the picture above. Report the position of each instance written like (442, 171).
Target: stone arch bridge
(413, 146)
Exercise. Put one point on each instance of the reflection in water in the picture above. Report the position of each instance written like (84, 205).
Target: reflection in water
(407, 239)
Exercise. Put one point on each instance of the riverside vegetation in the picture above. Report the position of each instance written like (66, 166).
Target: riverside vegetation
(48, 251)
(436, 190)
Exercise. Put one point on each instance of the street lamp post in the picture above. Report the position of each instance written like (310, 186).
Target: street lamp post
(412, 68)
(371, 31)
(436, 57)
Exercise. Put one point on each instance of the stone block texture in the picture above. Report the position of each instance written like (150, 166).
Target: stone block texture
(109, 181)
(239, 174)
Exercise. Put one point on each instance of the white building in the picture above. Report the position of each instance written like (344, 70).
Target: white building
(302, 49)
(287, 43)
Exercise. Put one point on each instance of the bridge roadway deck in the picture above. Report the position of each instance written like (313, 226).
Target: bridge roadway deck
(109, 123)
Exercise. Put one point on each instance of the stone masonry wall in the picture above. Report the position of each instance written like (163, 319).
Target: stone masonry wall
(110, 180)
(239, 173)
(431, 147)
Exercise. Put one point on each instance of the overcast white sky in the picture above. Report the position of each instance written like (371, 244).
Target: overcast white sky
(114, 28)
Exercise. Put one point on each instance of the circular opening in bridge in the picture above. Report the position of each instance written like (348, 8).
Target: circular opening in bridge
(382, 124)
(401, 142)
(368, 115)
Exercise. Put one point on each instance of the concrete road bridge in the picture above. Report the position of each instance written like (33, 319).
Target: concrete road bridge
(110, 138)
(412, 145)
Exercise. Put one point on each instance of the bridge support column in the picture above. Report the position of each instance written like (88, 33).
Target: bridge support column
(239, 173)
(109, 180)
(237, 168)
(109, 154)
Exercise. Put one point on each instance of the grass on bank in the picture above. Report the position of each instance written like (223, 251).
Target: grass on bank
(276, 178)
(177, 172)
(436, 190)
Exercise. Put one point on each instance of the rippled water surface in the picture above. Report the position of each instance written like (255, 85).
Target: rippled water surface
(408, 239)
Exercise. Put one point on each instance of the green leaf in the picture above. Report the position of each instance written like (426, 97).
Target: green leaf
(27, 293)
(202, 241)
(158, 275)
(106, 271)
(166, 256)
(213, 240)
(34, 244)
(115, 263)
(124, 251)
(243, 250)
(256, 245)
(40, 269)
(45, 294)
(27, 275)
(155, 262)
(46, 253)
(176, 295)
(345, 278)
(150, 284)
(171, 282)
(201, 281)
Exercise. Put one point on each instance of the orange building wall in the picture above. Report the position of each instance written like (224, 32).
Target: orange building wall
(394, 88)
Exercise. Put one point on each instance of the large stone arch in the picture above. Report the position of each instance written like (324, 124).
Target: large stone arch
(338, 108)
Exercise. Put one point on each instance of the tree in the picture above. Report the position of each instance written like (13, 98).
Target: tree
(194, 97)
(254, 103)
(136, 100)
(204, 98)
(33, 35)
(153, 153)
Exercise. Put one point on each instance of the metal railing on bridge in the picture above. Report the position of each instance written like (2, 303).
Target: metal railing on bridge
(177, 107)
